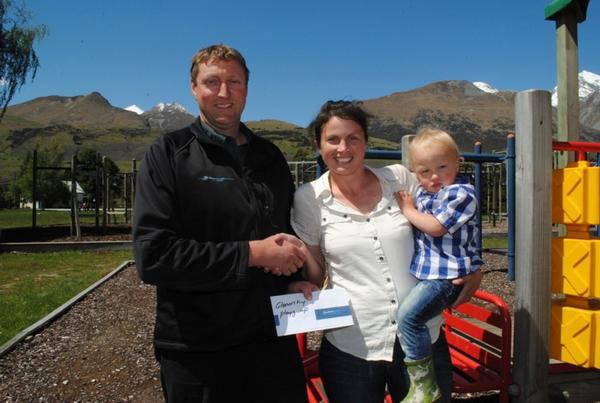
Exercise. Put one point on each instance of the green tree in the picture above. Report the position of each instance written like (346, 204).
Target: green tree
(17, 56)
(4, 197)
(88, 162)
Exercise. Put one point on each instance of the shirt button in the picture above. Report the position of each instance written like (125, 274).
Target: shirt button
(393, 301)
(324, 219)
(388, 279)
(375, 238)
(381, 258)
(389, 207)
(345, 215)
(368, 219)
(393, 322)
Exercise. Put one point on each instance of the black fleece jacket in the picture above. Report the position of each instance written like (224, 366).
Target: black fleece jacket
(197, 206)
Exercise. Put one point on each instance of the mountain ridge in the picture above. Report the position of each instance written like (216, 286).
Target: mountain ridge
(470, 111)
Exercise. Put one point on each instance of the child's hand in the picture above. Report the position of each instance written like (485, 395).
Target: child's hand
(404, 200)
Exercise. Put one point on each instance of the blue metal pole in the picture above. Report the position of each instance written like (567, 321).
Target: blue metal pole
(477, 150)
(477, 158)
(397, 155)
(320, 165)
(510, 202)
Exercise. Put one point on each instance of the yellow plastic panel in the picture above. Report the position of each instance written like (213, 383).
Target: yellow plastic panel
(596, 346)
(576, 194)
(576, 267)
(574, 336)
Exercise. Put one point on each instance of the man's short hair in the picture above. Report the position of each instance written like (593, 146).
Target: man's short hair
(217, 53)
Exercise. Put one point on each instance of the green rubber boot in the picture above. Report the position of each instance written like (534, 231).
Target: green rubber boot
(423, 387)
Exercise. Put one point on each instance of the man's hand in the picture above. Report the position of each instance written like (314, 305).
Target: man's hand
(305, 287)
(280, 254)
(470, 283)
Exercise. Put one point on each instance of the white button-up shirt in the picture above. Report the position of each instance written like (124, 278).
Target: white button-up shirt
(366, 254)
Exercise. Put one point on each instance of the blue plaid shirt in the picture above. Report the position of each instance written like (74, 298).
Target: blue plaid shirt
(455, 253)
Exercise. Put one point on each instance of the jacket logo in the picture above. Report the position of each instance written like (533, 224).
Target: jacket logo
(214, 178)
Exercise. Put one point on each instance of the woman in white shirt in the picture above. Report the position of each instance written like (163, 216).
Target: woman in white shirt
(352, 226)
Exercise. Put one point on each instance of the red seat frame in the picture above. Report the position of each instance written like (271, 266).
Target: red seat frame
(479, 338)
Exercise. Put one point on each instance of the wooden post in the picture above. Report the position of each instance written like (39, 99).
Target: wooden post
(34, 191)
(404, 142)
(75, 228)
(567, 69)
(105, 191)
(567, 14)
(125, 197)
(97, 190)
(478, 188)
(533, 122)
(132, 187)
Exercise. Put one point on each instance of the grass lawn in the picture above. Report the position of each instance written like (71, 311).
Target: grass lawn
(34, 284)
(17, 218)
(495, 242)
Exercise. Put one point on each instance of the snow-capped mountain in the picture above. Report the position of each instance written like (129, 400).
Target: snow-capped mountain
(589, 97)
(589, 109)
(169, 107)
(135, 109)
(589, 83)
(168, 116)
(485, 87)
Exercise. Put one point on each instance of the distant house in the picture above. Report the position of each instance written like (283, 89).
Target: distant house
(41, 204)
(78, 190)
(28, 204)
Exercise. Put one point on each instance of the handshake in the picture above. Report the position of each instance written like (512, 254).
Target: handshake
(279, 254)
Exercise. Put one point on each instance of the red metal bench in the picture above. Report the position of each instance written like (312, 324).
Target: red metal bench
(479, 338)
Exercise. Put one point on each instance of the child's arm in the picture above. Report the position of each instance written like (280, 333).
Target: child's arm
(424, 222)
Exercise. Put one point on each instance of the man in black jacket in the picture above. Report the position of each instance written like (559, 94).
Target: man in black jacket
(211, 232)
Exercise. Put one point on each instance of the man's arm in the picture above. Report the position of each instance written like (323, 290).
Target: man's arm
(165, 257)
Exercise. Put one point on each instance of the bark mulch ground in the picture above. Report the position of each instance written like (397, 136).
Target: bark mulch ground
(101, 349)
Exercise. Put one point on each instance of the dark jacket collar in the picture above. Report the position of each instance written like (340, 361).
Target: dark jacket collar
(203, 131)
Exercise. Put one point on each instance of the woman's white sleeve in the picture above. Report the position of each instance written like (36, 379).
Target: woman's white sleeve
(405, 179)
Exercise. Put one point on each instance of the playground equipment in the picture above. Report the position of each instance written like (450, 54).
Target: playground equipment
(533, 253)
(102, 191)
(575, 315)
(574, 320)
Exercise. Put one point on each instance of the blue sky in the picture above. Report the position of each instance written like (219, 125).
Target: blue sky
(300, 53)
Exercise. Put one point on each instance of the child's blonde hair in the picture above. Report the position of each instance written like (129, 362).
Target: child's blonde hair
(430, 135)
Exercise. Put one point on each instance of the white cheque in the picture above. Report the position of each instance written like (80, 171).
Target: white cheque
(295, 314)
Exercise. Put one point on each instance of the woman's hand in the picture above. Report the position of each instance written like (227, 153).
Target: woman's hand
(305, 287)
(470, 283)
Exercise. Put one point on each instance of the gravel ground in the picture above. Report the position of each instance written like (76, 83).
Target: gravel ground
(100, 350)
